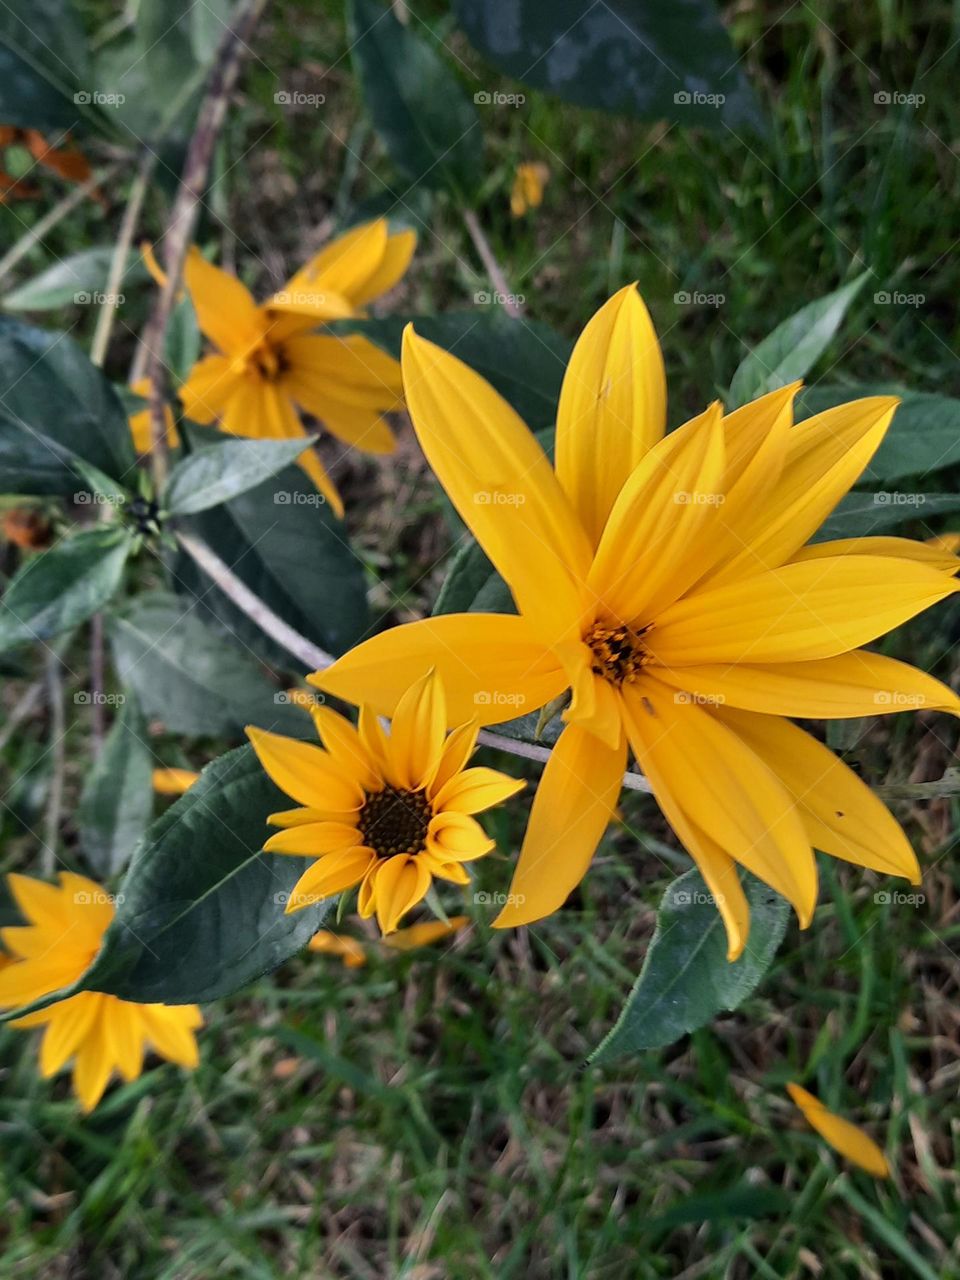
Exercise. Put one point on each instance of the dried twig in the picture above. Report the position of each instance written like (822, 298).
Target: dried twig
(506, 298)
(183, 217)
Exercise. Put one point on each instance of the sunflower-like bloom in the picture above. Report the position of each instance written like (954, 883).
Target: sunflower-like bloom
(101, 1033)
(267, 364)
(387, 812)
(663, 579)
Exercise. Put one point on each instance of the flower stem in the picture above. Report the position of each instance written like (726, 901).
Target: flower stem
(493, 268)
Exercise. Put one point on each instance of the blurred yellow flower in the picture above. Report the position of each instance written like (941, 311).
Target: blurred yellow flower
(353, 954)
(101, 1033)
(385, 812)
(267, 365)
(846, 1138)
(665, 598)
(173, 782)
(350, 950)
(528, 184)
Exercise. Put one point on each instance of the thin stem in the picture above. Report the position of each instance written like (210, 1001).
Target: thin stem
(50, 219)
(318, 659)
(506, 297)
(183, 217)
(57, 751)
(118, 263)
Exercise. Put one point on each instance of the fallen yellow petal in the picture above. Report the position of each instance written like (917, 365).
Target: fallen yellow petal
(846, 1138)
(173, 782)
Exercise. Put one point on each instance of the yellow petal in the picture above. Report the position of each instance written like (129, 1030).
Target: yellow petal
(797, 612)
(718, 869)
(612, 407)
(647, 555)
(417, 733)
(349, 368)
(475, 790)
(724, 788)
(393, 266)
(841, 815)
(212, 384)
(501, 482)
(573, 805)
(311, 839)
(123, 1033)
(329, 875)
(846, 1138)
(421, 935)
(456, 837)
(853, 684)
(899, 548)
(826, 455)
(27, 980)
(169, 1028)
(173, 782)
(304, 772)
(226, 313)
(93, 1065)
(491, 665)
(344, 743)
(457, 750)
(349, 949)
(342, 268)
(401, 883)
(68, 1022)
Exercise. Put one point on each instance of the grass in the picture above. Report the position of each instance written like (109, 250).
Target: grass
(430, 1117)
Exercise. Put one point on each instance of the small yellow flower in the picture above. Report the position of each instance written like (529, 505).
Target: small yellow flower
(851, 1142)
(528, 184)
(267, 365)
(101, 1033)
(385, 812)
(173, 782)
(665, 596)
(140, 425)
(422, 935)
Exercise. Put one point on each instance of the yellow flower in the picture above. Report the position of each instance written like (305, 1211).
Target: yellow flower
(173, 782)
(100, 1032)
(851, 1142)
(268, 365)
(528, 184)
(664, 581)
(383, 812)
(140, 426)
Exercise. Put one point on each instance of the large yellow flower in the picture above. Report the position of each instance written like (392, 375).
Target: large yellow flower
(385, 812)
(100, 1032)
(268, 364)
(665, 582)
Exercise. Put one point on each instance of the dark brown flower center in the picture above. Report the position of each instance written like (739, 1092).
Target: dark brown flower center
(395, 821)
(270, 361)
(618, 652)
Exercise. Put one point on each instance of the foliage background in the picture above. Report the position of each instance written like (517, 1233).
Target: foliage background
(430, 1117)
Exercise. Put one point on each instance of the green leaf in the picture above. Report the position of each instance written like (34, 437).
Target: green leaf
(291, 551)
(861, 514)
(56, 406)
(524, 362)
(74, 281)
(200, 912)
(219, 472)
(794, 347)
(182, 342)
(686, 979)
(43, 67)
(419, 108)
(655, 61)
(192, 679)
(923, 437)
(117, 800)
(62, 587)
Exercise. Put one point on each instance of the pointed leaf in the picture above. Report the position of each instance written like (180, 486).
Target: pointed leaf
(117, 800)
(219, 472)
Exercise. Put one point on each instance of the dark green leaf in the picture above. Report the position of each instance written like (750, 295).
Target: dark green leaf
(654, 59)
(43, 66)
(218, 472)
(418, 106)
(292, 552)
(192, 679)
(860, 515)
(117, 800)
(75, 281)
(62, 587)
(794, 347)
(686, 979)
(55, 405)
(524, 362)
(182, 342)
(200, 912)
(923, 437)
